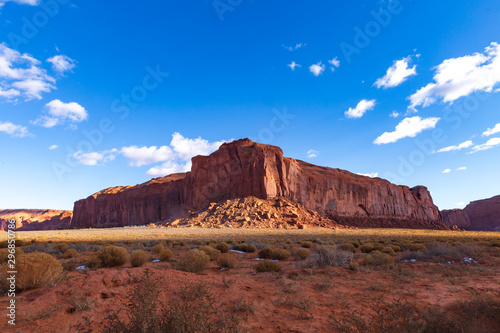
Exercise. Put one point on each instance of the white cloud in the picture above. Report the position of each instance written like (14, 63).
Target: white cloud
(53, 147)
(94, 158)
(461, 204)
(335, 63)
(317, 69)
(176, 157)
(485, 146)
(21, 76)
(14, 130)
(461, 146)
(491, 131)
(293, 48)
(446, 171)
(60, 113)
(372, 174)
(62, 63)
(396, 74)
(312, 153)
(408, 127)
(293, 65)
(21, 2)
(360, 109)
(462, 169)
(394, 114)
(147, 155)
(459, 77)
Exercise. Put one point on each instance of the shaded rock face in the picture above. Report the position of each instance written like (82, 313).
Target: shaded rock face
(36, 219)
(242, 169)
(481, 215)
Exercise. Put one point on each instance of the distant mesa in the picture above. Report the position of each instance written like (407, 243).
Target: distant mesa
(249, 185)
(481, 215)
(36, 219)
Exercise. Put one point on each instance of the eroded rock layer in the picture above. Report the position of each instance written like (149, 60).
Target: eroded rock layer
(243, 169)
(481, 215)
(36, 219)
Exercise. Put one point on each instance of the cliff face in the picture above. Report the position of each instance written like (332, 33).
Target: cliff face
(36, 219)
(244, 168)
(478, 215)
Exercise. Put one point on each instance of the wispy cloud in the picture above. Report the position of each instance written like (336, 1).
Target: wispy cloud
(408, 127)
(462, 169)
(491, 131)
(461, 146)
(14, 130)
(293, 65)
(398, 73)
(360, 109)
(446, 171)
(335, 63)
(60, 113)
(294, 48)
(21, 2)
(459, 77)
(371, 175)
(312, 153)
(485, 146)
(53, 147)
(62, 63)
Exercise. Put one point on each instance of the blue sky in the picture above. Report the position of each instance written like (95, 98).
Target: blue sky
(94, 94)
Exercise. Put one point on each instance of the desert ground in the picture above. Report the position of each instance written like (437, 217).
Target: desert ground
(144, 279)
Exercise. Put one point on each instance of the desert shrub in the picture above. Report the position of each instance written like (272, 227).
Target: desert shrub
(111, 256)
(139, 258)
(367, 248)
(388, 250)
(268, 266)
(266, 253)
(353, 266)
(195, 261)
(377, 258)
(70, 253)
(196, 309)
(415, 247)
(166, 255)
(347, 247)
(245, 248)
(328, 256)
(306, 244)
(41, 247)
(440, 249)
(61, 247)
(280, 254)
(86, 247)
(226, 260)
(158, 248)
(302, 254)
(355, 244)
(209, 250)
(471, 250)
(35, 270)
(4, 255)
(396, 248)
(223, 247)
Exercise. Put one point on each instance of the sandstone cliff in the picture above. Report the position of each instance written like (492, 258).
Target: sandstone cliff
(36, 219)
(481, 215)
(242, 169)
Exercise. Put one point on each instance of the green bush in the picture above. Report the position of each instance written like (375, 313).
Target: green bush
(35, 270)
(223, 247)
(268, 266)
(226, 260)
(166, 255)
(195, 261)
(111, 256)
(139, 258)
(302, 254)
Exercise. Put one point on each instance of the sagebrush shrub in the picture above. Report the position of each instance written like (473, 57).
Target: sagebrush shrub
(223, 247)
(139, 258)
(268, 266)
(112, 256)
(302, 254)
(226, 260)
(328, 256)
(35, 270)
(195, 261)
(158, 248)
(306, 244)
(280, 254)
(166, 255)
(70, 253)
(377, 258)
(266, 253)
(367, 248)
(347, 247)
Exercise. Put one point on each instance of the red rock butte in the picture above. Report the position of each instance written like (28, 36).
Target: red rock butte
(480, 215)
(242, 169)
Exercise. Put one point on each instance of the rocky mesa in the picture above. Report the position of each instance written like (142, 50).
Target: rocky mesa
(242, 169)
(35, 219)
(481, 215)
